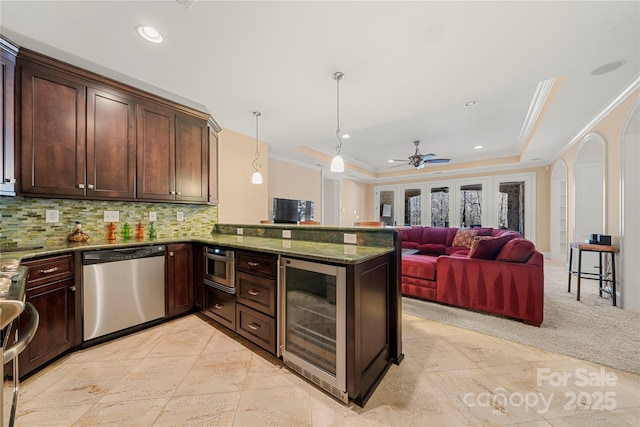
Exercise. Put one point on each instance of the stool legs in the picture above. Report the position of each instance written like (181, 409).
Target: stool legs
(579, 273)
(600, 273)
(613, 278)
(570, 267)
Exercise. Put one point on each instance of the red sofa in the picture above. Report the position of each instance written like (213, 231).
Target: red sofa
(501, 273)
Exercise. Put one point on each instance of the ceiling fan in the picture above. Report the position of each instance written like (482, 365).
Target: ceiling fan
(418, 160)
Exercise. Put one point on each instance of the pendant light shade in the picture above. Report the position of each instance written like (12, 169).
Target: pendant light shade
(337, 164)
(256, 178)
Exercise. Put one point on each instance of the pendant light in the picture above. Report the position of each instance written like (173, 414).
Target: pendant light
(256, 178)
(337, 164)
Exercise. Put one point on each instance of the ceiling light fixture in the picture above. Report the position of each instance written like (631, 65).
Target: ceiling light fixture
(149, 33)
(470, 104)
(478, 147)
(607, 68)
(337, 164)
(256, 178)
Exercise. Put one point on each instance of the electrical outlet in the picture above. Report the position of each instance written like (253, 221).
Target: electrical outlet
(153, 217)
(286, 234)
(52, 215)
(111, 216)
(350, 238)
(180, 216)
(239, 231)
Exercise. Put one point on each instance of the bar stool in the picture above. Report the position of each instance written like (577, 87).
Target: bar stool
(602, 276)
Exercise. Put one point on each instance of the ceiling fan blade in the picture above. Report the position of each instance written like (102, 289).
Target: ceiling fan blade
(427, 156)
(398, 160)
(438, 161)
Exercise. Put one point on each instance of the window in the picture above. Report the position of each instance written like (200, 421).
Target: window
(471, 205)
(440, 206)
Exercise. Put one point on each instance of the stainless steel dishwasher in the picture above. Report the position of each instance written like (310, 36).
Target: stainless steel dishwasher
(122, 288)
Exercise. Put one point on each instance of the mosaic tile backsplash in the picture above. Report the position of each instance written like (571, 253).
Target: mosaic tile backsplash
(22, 220)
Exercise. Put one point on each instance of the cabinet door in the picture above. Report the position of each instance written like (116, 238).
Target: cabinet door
(192, 175)
(213, 167)
(55, 303)
(7, 90)
(111, 145)
(179, 279)
(156, 153)
(52, 133)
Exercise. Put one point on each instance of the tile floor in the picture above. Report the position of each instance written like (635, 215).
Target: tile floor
(187, 372)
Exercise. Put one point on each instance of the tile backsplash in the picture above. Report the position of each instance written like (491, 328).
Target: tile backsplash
(23, 219)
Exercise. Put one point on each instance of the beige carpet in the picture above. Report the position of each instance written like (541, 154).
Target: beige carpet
(590, 329)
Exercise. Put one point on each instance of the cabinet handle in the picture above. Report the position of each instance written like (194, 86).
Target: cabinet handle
(254, 326)
(90, 186)
(72, 289)
(218, 307)
(172, 192)
(179, 193)
(49, 270)
(10, 180)
(81, 186)
(253, 264)
(253, 292)
(170, 253)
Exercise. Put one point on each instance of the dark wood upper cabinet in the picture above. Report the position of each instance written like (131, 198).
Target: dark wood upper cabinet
(52, 133)
(111, 145)
(192, 151)
(87, 136)
(8, 54)
(213, 166)
(156, 153)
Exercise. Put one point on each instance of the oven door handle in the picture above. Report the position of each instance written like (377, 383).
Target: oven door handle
(219, 258)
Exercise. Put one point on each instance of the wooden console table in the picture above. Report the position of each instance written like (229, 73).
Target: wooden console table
(602, 275)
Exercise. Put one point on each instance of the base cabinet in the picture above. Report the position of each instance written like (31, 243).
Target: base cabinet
(179, 279)
(52, 291)
(220, 306)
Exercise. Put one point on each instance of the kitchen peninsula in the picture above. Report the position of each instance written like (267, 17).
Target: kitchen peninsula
(371, 286)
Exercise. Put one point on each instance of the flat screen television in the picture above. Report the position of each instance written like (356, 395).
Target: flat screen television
(291, 211)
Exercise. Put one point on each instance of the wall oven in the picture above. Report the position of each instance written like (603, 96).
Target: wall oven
(220, 269)
(313, 326)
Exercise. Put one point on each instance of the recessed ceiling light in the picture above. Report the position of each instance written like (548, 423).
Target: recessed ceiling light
(607, 68)
(470, 104)
(390, 161)
(477, 147)
(346, 136)
(149, 33)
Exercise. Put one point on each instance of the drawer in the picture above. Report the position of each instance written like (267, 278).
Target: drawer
(257, 327)
(47, 270)
(220, 306)
(260, 264)
(256, 292)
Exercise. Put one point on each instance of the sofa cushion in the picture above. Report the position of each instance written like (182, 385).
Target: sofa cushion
(436, 235)
(414, 234)
(431, 249)
(422, 266)
(483, 231)
(456, 250)
(498, 232)
(487, 247)
(451, 234)
(409, 245)
(464, 238)
(516, 250)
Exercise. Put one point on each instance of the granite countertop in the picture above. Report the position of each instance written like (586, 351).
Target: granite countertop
(331, 252)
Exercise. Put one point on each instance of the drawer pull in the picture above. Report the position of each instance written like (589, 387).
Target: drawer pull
(49, 270)
(253, 264)
(253, 292)
(72, 289)
(218, 307)
(254, 326)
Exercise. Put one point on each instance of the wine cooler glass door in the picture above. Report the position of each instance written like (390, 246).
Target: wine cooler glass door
(315, 321)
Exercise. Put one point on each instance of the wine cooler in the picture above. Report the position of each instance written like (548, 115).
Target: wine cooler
(314, 323)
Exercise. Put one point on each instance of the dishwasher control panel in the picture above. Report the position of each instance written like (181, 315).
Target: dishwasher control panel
(124, 254)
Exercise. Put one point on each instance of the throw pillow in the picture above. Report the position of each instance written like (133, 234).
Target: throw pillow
(464, 238)
(486, 247)
(516, 250)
